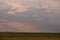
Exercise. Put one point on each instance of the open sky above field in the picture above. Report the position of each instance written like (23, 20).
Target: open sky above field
(30, 16)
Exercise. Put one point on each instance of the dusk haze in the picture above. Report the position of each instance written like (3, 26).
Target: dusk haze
(35, 16)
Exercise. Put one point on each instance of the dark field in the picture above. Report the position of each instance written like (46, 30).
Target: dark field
(20, 34)
(29, 36)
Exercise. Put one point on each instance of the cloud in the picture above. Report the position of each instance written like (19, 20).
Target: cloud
(18, 6)
(0, 26)
(14, 26)
(3, 20)
(49, 4)
(22, 26)
(47, 17)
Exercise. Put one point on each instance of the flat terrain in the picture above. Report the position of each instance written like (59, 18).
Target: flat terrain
(30, 38)
(17, 34)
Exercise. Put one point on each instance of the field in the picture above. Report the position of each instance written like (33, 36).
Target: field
(29, 36)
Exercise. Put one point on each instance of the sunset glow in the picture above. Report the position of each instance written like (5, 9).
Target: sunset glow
(30, 15)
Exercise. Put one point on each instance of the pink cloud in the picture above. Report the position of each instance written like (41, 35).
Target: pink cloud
(18, 6)
(3, 20)
(48, 4)
(22, 26)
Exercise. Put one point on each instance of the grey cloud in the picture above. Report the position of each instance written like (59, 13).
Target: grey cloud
(45, 18)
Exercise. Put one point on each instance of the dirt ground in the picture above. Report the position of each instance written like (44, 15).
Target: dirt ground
(30, 38)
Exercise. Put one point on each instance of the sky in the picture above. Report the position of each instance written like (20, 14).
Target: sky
(30, 16)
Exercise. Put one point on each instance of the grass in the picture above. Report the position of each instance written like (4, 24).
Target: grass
(16, 34)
